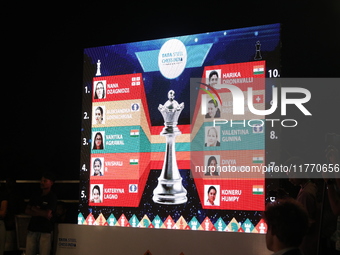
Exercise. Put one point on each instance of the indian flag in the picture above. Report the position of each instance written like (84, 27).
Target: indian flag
(258, 69)
(133, 161)
(257, 160)
(134, 132)
(257, 189)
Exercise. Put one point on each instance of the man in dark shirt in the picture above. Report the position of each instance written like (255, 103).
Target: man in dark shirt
(41, 207)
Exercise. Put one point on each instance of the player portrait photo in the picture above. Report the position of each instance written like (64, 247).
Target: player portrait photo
(213, 109)
(212, 195)
(97, 166)
(99, 90)
(98, 140)
(212, 163)
(98, 115)
(212, 136)
(213, 77)
(96, 191)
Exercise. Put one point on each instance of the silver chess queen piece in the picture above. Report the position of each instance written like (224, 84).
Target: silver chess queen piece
(170, 189)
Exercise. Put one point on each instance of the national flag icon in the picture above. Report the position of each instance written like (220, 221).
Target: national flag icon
(135, 107)
(133, 188)
(134, 132)
(257, 129)
(133, 161)
(257, 189)
(257, 160)
(135, 81)
(258, 69)
(258, 99)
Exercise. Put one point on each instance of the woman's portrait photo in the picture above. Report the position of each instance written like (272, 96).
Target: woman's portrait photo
(98, 141)
(97, 164)
(98, 115)
(212, 136)
(99, 90)
(96, 193)
(212, 163)
(213, 111)
(211, 195)
(213, 77)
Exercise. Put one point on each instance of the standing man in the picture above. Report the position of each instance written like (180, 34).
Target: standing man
(41, 207)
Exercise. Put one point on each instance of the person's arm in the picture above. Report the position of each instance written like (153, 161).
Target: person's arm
(3, 208)
(36, 211)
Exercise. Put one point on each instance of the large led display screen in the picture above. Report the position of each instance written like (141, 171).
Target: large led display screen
(164, 145)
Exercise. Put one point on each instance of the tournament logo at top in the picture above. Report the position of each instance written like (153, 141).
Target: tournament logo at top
(172, 58)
